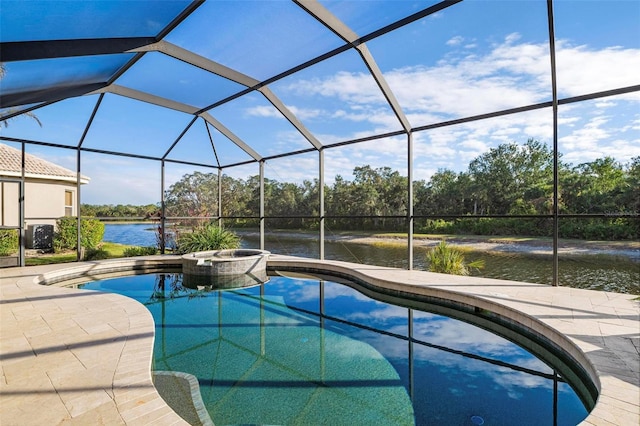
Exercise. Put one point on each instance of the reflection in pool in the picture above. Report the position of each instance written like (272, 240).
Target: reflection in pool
(311, 351)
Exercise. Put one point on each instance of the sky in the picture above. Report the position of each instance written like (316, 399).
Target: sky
(473, 58)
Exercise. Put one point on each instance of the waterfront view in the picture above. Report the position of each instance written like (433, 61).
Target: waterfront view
(618, 273)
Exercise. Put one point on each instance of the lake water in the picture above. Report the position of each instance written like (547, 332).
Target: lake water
(596, 272)
(133, 234)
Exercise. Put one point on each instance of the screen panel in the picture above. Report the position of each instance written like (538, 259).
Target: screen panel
(448, 65)
(69, 19)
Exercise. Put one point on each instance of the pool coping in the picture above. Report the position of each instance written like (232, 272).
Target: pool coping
(49, 337)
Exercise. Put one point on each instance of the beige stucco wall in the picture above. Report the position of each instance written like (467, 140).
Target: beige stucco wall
(9, 208)
(44, 202)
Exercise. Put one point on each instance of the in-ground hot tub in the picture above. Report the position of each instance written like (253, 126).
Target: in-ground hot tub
(225, 268)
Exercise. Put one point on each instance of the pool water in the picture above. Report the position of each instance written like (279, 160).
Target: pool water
(302, 351)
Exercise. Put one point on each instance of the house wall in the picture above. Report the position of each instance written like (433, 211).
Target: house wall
(44, 202)
(9, 214)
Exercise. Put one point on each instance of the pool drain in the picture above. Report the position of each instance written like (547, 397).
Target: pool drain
(477, 420)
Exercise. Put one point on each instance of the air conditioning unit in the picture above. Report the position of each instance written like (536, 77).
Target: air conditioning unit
(40, 236)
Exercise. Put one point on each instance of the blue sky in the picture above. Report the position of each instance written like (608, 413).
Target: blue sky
(473, 58)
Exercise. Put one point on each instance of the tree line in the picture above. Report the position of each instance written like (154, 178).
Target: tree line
(510, 179)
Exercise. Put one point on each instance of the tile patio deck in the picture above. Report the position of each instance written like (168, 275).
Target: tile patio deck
(78, 357)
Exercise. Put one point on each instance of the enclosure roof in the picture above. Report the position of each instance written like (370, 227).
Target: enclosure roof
(57, 50)
(156, 79)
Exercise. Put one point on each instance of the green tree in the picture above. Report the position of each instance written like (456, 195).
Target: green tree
(237, 196)
(595, 187)
(511, 176)
(338, 197)
(630, 193)
(448, 192)
(310, 201)
(195, 195)
(394, 191)
(365, 191)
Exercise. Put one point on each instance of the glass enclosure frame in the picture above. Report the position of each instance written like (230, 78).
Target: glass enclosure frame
(30, 51)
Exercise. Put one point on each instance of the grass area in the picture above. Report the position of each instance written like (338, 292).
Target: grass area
(48, 259)
(114, 250)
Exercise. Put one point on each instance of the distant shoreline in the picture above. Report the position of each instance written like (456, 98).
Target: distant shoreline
(524, 245)
(531, 246)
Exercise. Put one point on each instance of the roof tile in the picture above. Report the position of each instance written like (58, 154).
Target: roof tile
(10, 161)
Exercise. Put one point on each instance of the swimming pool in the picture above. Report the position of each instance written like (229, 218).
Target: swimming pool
(300, 350)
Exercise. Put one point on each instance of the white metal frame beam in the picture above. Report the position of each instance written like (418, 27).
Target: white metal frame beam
(230, 135)
(320, 13)
(208, 65)
(177, 106)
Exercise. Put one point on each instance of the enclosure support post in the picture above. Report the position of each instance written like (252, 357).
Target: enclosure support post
(410, 340)
(79, 177)
(554, 91)
(219, 197)
(261, 204)
(321, 201)
(22, 234)
(78, 209)
(163, 211)
(410, 200)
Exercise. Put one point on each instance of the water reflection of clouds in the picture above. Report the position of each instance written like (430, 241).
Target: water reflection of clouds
(334, 291)
(301, 290)
(386, 313)
(462, 336)
(433, 329)
(513, 382)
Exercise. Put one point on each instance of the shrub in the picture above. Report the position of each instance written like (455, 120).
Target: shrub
(65, 238)
(139, 251)
(600, 229)
(448, 260)
(96, 254)
(8, 241)
(206, 237)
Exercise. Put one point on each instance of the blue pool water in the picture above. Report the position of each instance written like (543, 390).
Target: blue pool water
(300, 351)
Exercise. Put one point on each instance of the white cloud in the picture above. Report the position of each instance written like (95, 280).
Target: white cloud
(513, 37)
(455, 41)
(605, 104)
(353, 88)
(381, 153)
(475, 145)
(581, 69)
(293, 169)
(587, 137)
(513, 73)
(634, 125)
(306, 113)
(263, 111)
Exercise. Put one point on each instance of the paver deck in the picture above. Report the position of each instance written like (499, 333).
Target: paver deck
(78, 357)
